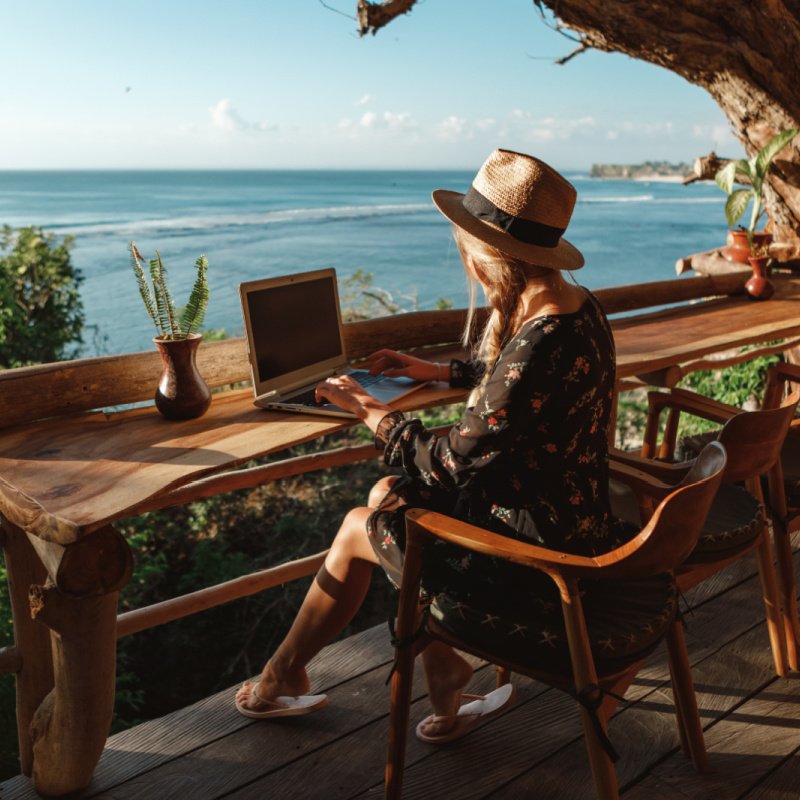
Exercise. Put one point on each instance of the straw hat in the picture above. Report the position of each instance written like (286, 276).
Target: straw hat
(519, 205)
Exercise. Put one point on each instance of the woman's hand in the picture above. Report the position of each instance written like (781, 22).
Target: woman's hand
(401, 365)
(343, 391)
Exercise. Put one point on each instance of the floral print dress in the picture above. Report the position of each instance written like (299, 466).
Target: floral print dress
(529, 460)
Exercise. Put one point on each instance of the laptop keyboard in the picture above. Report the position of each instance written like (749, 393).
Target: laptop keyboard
(308, 398)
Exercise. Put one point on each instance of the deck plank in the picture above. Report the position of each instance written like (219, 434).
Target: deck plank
(140, 749)
(782, 784)
(206, 751)
(744, 747)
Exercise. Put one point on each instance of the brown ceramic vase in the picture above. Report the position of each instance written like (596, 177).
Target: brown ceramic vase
(738, 247)
(758, 287)
(182, 393)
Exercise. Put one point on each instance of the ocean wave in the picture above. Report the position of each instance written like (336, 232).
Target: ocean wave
(649, 198)
(206, 222)
(634, 198)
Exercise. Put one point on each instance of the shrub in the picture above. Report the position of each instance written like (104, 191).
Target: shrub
(41, 314)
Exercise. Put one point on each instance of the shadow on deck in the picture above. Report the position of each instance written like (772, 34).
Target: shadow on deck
(752, 722)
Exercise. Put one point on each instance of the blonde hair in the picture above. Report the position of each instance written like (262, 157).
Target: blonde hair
(504, 279)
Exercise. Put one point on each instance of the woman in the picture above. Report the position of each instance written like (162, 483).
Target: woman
(529, 459)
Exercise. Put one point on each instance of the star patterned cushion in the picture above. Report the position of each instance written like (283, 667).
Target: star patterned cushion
(625, 621)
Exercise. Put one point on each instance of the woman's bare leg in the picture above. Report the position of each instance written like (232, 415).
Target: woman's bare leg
(446, 675)
(331, 602)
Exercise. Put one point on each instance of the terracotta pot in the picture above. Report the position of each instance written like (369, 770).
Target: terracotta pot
(759, 287)
(182, 393)
(738, 247)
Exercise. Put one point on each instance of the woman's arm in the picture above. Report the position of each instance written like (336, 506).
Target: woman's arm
(474, 442)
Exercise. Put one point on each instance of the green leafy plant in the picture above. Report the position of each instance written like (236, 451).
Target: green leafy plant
(41, 314)
(753, 172)
(158, 300)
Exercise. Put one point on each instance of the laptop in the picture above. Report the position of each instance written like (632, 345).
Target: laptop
(293, 328)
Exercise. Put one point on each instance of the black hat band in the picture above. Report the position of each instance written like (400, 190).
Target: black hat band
(524, 230)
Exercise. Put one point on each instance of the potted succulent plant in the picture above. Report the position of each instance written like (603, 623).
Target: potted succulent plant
(752, 172)
(182, 393)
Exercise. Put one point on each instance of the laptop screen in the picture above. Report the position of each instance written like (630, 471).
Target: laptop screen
(293, 326)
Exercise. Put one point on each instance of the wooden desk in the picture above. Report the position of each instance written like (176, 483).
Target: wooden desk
(64, 481)
(688, 337)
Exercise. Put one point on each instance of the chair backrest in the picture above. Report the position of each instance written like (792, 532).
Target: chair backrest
(672, 531)
(753, 440)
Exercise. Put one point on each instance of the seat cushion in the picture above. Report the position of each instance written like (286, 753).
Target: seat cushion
(733, 524)
(625, 621)
(689, 447)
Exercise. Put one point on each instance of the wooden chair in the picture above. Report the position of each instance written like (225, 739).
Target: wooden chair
(783, 384)
(737, 522)
(634, 576)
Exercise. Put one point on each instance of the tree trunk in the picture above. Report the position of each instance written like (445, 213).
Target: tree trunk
(745, 54)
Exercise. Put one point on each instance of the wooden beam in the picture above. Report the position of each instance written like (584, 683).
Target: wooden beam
(96, 564)
(70, 387)
(678, 290)
(203, 599)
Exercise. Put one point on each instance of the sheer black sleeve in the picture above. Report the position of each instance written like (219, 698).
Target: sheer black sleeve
(484, 432)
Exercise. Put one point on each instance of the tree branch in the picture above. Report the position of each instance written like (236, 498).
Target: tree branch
(581, 48)
(373, 16)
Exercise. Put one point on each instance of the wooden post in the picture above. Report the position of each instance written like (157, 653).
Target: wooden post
(70, 727)
(35, 679)
(78, 603)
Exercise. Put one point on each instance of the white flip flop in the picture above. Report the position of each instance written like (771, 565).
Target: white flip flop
(282, 706)
(469, 715)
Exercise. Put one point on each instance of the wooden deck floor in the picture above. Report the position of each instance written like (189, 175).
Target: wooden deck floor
(752, 724)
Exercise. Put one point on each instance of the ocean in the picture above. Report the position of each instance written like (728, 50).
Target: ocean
(253, 224)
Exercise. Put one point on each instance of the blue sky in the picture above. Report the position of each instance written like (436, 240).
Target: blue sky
(288, 84)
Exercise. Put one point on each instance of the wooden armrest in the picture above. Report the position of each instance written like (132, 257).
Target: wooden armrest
(642, 483)
(692, 403)
(778, 375)
(667, 473)
(479, 540)
(786, 372)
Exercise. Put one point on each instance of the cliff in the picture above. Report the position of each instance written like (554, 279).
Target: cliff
(653, 170)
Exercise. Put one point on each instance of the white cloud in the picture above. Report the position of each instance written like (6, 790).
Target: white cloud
(651, 129)
(714, 135)
(401, 121)
(519, 125)
(388, 120)
(453, 129)
(225, 117)
(365, 98)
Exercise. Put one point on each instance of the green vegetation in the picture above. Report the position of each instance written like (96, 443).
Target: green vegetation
(41, 316)
(649, 169)
(158, 300)
(753, 172)
(360, 299)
